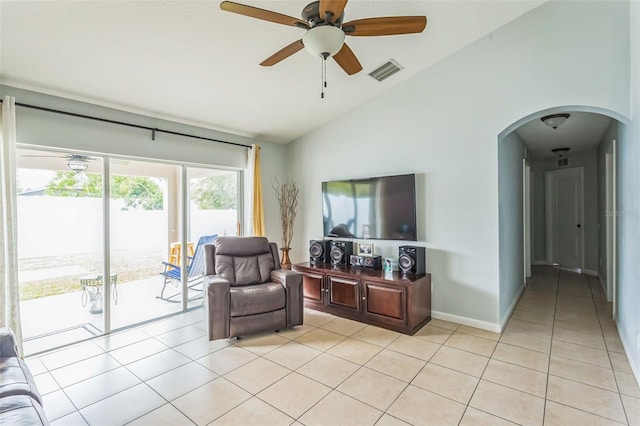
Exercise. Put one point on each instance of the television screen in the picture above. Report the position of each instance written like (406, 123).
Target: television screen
(379, 208)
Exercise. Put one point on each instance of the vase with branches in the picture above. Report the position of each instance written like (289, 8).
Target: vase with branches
(288, 196)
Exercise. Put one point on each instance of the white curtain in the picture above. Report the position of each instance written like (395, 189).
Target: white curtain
(9, 291)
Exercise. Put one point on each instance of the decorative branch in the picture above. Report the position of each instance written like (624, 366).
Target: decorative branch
(288, 195)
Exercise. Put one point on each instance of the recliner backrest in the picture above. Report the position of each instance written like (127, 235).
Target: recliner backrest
(244, 260)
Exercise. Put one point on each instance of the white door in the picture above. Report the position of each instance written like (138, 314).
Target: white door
(566, 217)
(610, 217)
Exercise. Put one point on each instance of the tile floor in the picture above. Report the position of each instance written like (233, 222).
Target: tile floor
(558, 362)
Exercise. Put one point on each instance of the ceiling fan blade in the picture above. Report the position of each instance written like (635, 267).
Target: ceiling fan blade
(283, 53)
(347, 60)
(265, 15)
(390, 25)
(336, 7)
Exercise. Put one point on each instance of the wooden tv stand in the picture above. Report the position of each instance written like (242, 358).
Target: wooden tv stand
(385, 299)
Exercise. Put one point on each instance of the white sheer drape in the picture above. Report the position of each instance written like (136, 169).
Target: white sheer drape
(9, 291)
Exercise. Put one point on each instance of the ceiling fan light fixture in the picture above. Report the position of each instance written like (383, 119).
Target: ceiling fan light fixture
(77, 164)
(323, 41)
(555, 120)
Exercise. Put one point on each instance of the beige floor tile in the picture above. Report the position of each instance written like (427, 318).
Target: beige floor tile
(473, 417)
(257, 375)
(294, 394)
(210, 401)
(180, 336)
(395, 364)
(181, 380)
(583, 373)
(632, 409)
(561, 415)
(85, 369)
(415, 347)
(516, 377)
(316, 318)
(137, 351)
(157, 364)
(46, 383)
(540, 330)
(592, 340)
(328, 369)
(444, 324)
(485, 334)
(123, 407)
(355, 351)
(521, 356)
(99, 387)
(510, 404)
(569, 314)
(376, 336)
(340, 410)
(293, 355)
(627, 384)
(433, 334)
(528, 341)
(73, 419)
(589, 328)
(446, 382)
(470, 343)
(373, 388)
(261, 344)
(198, 348)
(166, 415)
(119, 340)
(580, 353)
(540, 308)
(614, 344)
(320, 339)
(387, 420)
(35, 365)
(420, 407)
(70, 355)
(587, 398)
(538, 318)
(293, 333)
(462, 361)
(161, 327)
(56, 405)
(343, 326)
(620, 362)
(253, 412)
(227, 359)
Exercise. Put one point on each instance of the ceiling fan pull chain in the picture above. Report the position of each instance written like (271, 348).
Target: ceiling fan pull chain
(324, 73)
(322, 79)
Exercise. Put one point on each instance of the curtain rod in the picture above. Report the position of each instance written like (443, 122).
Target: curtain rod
(153, 130)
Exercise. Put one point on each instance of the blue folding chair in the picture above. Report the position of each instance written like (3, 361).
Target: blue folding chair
(195, 272)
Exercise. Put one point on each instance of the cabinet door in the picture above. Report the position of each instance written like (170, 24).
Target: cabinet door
(385, 303)
(312, 287)
(343, 293)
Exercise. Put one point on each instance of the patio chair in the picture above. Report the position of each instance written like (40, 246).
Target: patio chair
(195, 272)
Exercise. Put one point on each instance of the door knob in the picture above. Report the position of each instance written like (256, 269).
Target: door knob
(579, 225)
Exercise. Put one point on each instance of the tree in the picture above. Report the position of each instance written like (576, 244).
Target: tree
(136, 191)
(219, 192)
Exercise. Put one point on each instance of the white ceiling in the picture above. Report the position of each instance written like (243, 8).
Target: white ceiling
(191, 62)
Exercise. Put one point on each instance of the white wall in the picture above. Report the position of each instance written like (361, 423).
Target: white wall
(444, 123)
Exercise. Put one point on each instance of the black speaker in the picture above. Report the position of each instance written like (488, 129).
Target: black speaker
(374, 262)
(411, 260)
(319, 251)
(341, 252)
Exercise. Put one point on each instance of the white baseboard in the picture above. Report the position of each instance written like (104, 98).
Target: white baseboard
(590, 272)
(484, 325)
(512, 307)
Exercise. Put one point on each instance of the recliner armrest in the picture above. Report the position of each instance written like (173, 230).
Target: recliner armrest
(8, 346)
(216, 305)
(292, 283)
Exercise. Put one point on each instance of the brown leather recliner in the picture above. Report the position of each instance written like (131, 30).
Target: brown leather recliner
(247, 292)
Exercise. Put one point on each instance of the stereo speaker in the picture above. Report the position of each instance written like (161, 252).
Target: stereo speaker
(341, 252)
(411, 260)
(374, 262)
(319, 251)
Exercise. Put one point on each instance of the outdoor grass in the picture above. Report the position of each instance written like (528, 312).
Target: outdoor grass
(129, 266)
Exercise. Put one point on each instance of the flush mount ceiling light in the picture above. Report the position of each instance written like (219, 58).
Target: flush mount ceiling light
(560, 151)
(77, 163)
(555, 120)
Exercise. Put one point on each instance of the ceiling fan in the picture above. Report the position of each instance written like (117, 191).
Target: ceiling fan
(76, 162)
(323, 21)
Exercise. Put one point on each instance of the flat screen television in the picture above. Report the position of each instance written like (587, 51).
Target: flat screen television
(381, 208)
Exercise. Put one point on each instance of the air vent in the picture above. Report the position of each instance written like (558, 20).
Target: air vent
(563, 162)
(386, 70)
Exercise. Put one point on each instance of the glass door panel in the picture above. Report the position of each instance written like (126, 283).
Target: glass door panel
(213, 206)
(60, 247)
(143, 224)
